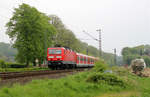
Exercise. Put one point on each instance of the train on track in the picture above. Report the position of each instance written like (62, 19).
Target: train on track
(64, 58)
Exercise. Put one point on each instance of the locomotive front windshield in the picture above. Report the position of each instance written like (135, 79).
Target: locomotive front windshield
(54, 51)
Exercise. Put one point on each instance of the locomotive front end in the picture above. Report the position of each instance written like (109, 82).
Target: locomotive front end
(54, 57)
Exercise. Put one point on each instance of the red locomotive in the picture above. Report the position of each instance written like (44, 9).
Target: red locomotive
(60, 57)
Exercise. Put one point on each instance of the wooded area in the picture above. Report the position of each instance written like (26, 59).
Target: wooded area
(32, 32)
(142, 51)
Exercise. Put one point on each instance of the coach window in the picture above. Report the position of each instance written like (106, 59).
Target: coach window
(86, 59)
(82, 58)
(78, 57)
(92, 61)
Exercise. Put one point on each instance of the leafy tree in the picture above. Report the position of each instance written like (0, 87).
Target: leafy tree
(7, 50)
(2, 63)
(129, 58)
(66, 38)
(142, 51)
(7, 53)
(30, 32)
(60, 28)
(147, 60)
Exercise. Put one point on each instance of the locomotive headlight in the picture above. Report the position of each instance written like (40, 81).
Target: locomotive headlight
(51, 57)
(58, 57)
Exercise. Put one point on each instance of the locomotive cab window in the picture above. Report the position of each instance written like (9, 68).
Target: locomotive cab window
(58, 51)
(54, 51)
(51, 51)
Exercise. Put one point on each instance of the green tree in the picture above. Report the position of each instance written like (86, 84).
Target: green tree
(30, 32)
(147, 60)
(64, 36)
(141, 51)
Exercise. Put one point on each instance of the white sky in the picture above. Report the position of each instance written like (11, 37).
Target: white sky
(123, 22)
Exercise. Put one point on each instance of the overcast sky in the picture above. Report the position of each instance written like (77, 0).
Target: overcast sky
(123, 22)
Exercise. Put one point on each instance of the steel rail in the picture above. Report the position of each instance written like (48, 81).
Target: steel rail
(11, 75)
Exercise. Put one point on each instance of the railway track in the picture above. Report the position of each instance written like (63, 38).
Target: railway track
(12, 75)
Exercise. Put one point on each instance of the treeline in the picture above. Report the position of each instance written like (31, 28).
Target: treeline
(32, 32)
(142, 51)
(7, 53)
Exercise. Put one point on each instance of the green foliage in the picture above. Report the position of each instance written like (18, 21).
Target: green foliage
(100, 66)
(93, 51)
(30, 32)
(109, 58)
(121, 71)
(101, 77)
(2, 63)
(7, 53)
(139, 50)
(78, 85)
(142, 51)
(14, 65)
(147, 60)
(106, 78)
(22, 69)
(129, 58)
(66, 38)
(7, 50)
(72, 86)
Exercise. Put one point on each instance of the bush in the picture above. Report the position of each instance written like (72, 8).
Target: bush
(15, 65)
(106, 78)
(100, 66)
(2, 63)
(121, 71)
(147, 60)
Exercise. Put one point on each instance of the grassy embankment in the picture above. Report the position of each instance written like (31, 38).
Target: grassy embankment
(18, 67)
(22, 69)
(95, 83)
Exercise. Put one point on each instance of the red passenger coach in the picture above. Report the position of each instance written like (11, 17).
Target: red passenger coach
(60, 57)
(85, 61)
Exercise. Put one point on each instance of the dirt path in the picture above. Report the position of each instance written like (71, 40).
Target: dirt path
(122, 94)
(24, 80)
(146, 72)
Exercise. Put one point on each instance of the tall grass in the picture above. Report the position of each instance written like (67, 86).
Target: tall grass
(82, 85)
(72, 86)
(22, 69)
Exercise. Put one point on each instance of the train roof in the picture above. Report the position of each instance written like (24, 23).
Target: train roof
(56, 47)
(85, 55)
(60, 48)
